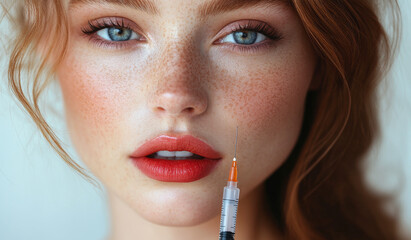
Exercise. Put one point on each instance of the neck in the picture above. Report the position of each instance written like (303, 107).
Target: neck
(252, 223)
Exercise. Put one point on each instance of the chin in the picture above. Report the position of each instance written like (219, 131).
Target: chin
(178, 207)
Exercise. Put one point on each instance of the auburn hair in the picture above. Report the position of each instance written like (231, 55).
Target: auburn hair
(319, 192)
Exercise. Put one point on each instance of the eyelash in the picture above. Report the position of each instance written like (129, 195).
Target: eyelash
(97, 25)
(259, 27)
(263, 28)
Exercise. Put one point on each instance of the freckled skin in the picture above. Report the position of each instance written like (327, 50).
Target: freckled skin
(180, 81)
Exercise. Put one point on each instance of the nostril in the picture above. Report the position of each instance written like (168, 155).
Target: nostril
(160, 109)
(190, 109)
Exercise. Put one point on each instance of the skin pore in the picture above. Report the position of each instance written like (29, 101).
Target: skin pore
(183, 73)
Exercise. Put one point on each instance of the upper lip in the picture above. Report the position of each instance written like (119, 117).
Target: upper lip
(176, 143)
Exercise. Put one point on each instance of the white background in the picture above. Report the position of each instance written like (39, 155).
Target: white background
(41, 198)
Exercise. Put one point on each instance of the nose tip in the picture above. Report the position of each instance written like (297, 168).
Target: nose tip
(177, 86)
(180, 104)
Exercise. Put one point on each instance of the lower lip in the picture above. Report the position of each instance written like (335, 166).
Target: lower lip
(187, 170)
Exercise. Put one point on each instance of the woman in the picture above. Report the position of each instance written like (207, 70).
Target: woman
(154, 91)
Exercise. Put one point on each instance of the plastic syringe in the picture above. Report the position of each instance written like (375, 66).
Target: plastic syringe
(230, 201)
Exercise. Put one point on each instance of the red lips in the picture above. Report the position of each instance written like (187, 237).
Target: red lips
(186, 170)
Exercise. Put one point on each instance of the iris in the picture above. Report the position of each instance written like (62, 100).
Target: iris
(245, 37)
(119, 34)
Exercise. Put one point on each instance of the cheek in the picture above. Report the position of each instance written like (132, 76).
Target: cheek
(97, 100)
(86, 99)
(92, 92)
(266, 96)
(266, 99)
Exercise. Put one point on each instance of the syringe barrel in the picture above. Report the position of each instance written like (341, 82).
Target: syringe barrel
(229, 210)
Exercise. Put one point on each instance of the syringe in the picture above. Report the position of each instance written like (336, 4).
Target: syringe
(230, 201)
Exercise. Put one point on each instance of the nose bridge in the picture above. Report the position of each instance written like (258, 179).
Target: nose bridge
(180, 67)
(178, 80)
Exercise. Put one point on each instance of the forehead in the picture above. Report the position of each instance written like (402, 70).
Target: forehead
(204, 7)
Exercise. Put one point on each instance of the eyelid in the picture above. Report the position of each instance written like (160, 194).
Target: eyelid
(106, 22)
(95, 25)
(251, 25)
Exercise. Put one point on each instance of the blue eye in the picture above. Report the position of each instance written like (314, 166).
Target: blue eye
(117, 34)
(244, 37)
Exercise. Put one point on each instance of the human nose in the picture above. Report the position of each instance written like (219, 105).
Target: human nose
(178, 83)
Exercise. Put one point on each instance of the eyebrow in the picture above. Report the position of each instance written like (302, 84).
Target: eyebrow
(212, 7)
(142, 5)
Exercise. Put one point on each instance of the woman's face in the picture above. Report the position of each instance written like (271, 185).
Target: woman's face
(133, 73)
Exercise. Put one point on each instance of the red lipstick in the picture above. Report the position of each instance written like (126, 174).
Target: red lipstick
(184, 170)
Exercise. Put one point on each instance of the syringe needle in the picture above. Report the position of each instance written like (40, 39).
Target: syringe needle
(235, 149)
